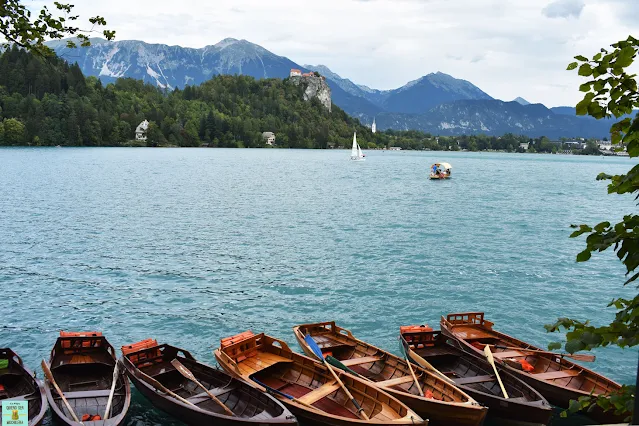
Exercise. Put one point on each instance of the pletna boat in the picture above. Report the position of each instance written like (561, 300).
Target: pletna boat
(442, 403)
(552, 375)
(307, 387)
(440, 171)
(81, 369)
(150, 368)
(17, 383)
(474, 375)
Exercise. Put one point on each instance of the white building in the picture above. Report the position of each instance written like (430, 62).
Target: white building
(605, 145)
(374, 127)
(524, 145)
(295, 72)
(140, 131)
(269, 137)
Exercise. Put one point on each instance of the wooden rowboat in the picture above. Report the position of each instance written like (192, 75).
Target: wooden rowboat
(17, 383)
(82, 365)
(552, 375)
(442, 403)
(306, 387)
(149, 364)
(475, 376)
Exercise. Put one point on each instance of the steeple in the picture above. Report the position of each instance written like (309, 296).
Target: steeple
(374, 126)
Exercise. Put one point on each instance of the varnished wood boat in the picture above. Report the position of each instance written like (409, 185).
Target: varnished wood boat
(475, 376)
(306, 387)
(553, 376)
(443, 403)
(17, 383)
(82, 365)
(148, 363)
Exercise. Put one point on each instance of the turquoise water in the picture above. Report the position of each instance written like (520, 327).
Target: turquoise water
(191, 245)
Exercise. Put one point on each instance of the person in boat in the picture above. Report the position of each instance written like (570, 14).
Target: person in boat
(447, 172)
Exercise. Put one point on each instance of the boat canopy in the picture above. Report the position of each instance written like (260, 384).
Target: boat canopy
(446, 165)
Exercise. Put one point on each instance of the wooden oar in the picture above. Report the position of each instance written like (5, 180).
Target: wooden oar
(576, 357)
(49, 375)
(318, 353)
(491, 361)
(412, 373)
(150, 380)
(427, 365)
(337, 363)
(110, 400)
(187, 373)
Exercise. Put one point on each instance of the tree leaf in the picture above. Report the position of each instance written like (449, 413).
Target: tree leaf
(572, 66)
(553, 346)
(584, 256)
(585, 70)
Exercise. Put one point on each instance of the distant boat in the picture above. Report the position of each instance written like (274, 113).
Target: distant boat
(440, 171)
(58, 146)
(356, 151)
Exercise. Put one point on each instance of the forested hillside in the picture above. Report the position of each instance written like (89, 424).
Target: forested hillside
(52, 103)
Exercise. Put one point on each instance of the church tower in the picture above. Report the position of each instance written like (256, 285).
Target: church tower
(374, 126)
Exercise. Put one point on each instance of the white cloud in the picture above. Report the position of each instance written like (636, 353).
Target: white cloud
(564, 9)
(507, 48)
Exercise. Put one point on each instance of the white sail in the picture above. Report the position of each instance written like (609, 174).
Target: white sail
(356, 151)
(355, 146)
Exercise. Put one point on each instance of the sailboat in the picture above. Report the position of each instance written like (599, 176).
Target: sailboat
(356, 151)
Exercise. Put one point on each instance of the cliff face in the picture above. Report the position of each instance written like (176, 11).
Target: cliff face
(315, 87)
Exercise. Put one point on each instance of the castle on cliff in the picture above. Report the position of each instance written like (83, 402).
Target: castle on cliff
(298, 73)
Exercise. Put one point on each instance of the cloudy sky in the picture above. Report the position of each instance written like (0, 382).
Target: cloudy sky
(508, 48)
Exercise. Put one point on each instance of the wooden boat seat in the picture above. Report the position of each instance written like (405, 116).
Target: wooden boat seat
(361, 360)
(102, 393)
(471, 333)
(321, 392)
(327, 341)
(556, 374)
(395, 381)
(507, 354)
(259, 362)
(431, 352)
(474, 379)
(203, 396)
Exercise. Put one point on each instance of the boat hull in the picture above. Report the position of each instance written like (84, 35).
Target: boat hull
(441, 414)
(186, 415)
(38, 410)
(502, 411)
(269, 365)
(237, 392)
(314, 418)
(438, 413)
(97, 374)
(556, 394)
(561, 397)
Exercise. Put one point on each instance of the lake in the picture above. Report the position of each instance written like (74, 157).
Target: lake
(191, 245)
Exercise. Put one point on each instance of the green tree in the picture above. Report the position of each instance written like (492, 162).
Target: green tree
(610, 91)
(18, 27)
(13, 132)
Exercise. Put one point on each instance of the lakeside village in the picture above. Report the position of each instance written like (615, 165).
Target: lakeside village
(578, 146)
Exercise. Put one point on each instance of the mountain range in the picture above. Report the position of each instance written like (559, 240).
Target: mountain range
(437, 103)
